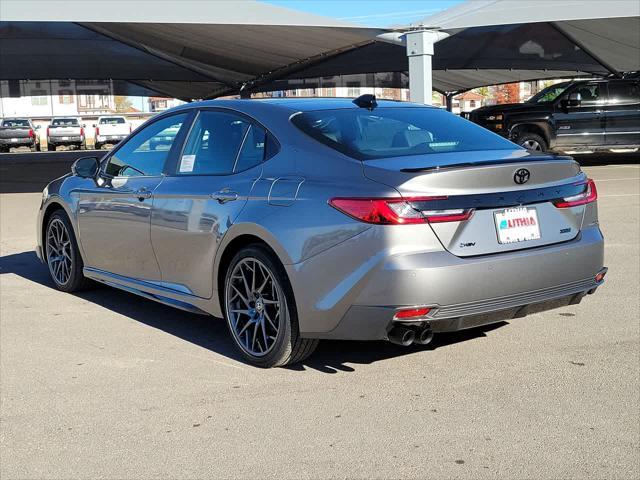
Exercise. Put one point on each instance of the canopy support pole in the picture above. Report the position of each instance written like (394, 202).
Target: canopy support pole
(449, 99)
(420, 52)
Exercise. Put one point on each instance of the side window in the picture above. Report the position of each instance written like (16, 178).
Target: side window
(144, 154)
(253, 149)
(621, 93)
(213, 144)
(590, 94)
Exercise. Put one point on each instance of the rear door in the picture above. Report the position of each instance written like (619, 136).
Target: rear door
(623, 113)
(197, 203)
(114, 215)
(583, 124)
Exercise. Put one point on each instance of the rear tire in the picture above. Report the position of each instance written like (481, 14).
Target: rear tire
(51, 148)
(261, 312)
(62, 254)
(533, 142)
(83, 146)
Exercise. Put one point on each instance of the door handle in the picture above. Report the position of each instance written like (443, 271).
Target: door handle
(224, 196)
(142, 193)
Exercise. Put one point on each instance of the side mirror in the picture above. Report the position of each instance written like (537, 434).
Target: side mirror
(84, 125)
(85, 167)
(574, 100)
(94, 125)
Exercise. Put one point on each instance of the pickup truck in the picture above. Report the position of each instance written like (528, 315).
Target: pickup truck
(111, 130)
(65, 131)
(19, 132)
(573, 117)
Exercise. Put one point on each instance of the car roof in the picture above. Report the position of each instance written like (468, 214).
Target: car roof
(300, 104)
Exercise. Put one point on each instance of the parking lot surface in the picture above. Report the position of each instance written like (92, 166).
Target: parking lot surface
(108, 385)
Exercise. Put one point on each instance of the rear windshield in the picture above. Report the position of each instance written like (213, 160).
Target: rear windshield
(15, 123)
(397, 132)
(111, 121)
(64, 122)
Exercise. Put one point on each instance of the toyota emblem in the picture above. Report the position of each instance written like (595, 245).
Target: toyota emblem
(521, 176)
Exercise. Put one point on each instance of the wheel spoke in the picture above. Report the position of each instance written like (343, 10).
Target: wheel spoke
(266, 315)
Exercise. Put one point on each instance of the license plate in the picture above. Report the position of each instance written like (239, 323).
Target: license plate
(517, 224)
(65, 138)
(15, 140)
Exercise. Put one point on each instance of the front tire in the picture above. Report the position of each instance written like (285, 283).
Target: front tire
(62, 254)
(533, 142)
(260, 310)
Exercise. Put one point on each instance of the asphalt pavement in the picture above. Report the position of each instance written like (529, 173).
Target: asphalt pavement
(104, 384)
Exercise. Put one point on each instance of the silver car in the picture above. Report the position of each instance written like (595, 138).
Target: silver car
(303, 219)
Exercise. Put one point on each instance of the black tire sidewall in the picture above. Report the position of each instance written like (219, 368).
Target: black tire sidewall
(288, 331)
(533, 136)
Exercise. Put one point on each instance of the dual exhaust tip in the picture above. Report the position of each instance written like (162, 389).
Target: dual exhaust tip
(406, 336)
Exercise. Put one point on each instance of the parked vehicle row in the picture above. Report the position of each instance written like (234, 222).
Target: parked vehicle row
(62, 131)
(305, 219)
(572, 117)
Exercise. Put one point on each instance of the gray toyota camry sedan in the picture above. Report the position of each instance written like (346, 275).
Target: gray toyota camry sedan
(303, 219)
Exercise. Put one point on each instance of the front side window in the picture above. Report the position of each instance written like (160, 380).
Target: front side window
(396, 132)
(589, 94)
(549, 94)
(217, 140)
(145, 153)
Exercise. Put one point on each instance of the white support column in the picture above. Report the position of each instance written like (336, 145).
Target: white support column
(420, 50)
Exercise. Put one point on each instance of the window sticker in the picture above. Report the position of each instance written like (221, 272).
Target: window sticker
(186, 163)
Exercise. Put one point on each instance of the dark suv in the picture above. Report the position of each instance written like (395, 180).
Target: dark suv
(571, 117)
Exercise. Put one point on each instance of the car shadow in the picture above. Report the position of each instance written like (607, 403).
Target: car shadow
(211, 333)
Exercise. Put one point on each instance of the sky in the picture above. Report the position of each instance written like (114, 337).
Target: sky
(374, 13)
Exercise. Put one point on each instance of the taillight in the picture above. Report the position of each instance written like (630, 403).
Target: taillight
(31, 134)
(81, 132)
(97, 131)
(397, 211)
(411, 313)
(129, 128)
(589, 195)
(48, 131)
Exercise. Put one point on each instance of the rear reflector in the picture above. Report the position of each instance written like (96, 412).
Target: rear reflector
(409, 313)
(397, 211)
(590, 194)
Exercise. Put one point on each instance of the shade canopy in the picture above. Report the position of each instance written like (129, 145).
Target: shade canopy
(200, 49)
(501, 41)
(186, 49)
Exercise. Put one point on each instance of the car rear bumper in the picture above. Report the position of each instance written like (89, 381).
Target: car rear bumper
(468, 292)
(66, 140)
(8, 142)
(110, 138)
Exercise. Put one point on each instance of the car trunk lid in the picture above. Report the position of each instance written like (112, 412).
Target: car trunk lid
(508, 194)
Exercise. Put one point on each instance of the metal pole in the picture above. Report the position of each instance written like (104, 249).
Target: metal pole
(449, 99)
(420, 50)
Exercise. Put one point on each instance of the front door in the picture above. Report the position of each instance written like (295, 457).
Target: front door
(623, 113)
(583, 124)
(114, 215)
(196, 204)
